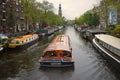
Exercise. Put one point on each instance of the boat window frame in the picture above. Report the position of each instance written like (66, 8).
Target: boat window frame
(66, 55)
(48, 53)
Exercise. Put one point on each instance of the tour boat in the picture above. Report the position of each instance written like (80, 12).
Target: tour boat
(58, 53)
(109, 47)
(21, 41)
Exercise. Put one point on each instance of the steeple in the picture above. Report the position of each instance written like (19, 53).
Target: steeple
(60, 11)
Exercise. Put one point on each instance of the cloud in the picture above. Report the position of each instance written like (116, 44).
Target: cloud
(73, 8)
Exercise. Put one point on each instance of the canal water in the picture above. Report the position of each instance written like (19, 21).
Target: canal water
(89, 65)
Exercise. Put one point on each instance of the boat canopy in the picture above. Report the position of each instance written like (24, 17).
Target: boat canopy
(53, 48)
(111, 40)
(95, 31)
(62, 43)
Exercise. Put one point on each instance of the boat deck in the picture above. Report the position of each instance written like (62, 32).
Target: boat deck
(114, 56)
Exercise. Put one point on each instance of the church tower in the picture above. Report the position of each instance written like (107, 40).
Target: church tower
(60, 11)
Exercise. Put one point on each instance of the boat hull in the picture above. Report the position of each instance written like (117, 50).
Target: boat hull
(56, 64)
(111, 59)
(22, 46)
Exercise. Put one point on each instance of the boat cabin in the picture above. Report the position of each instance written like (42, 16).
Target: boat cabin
(58, 53)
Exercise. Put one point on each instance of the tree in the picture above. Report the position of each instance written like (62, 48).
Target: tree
(42, 13)
(47, 16)
(45, 6)
(11, 19)
(95, 19)
(29, 12)
(116, 31)
(46, 9)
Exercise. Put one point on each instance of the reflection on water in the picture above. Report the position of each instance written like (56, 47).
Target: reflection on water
(24, 65)
(57, 73)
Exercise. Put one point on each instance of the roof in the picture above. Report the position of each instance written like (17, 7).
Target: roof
(56, 47)
(111, 40)
(25, 37)
(96, 31)
(59, 43)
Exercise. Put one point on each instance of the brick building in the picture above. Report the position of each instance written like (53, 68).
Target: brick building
(17, 8)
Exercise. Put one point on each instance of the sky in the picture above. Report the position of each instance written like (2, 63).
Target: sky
(73, 8)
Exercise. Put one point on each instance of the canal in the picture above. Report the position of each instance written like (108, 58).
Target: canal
(89, 65)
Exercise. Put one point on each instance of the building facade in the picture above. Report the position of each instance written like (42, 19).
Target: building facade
(7, 7)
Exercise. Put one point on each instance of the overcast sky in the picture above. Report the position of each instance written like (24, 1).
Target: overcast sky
(73, 8)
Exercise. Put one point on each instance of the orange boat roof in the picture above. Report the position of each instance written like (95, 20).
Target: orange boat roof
(25, 37)
(59, 43)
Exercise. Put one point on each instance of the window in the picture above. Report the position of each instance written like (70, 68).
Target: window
(66, 54)
(52, 54)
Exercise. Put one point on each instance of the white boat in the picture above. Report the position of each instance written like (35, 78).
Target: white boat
(109, 47)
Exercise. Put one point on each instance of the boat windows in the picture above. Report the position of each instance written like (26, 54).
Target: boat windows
(13, 41)
(24, 40)
(17, 42)
(97, 39)
(66, 54)
(51, 54)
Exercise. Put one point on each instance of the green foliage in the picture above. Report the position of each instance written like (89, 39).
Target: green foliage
(45, 6)
(36, 12)
(116, 31)
(11, 18)
(89, 18)
(95, 19)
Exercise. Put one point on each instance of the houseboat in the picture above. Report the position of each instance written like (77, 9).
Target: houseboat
(90, 33)
(58, 53)
(109, 47)
(45, 32)
(21, 41)
(83, 31)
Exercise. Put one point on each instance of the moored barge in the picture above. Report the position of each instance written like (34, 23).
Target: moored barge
(21, 41)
